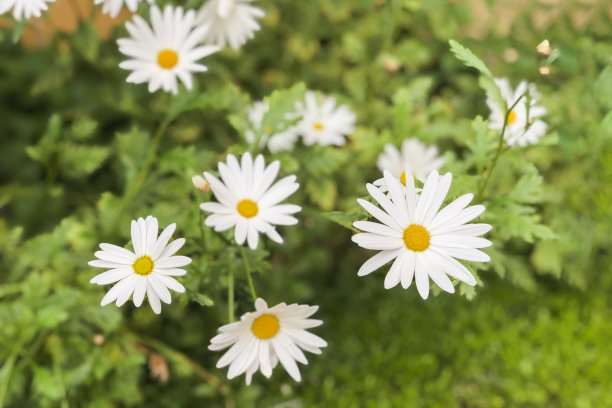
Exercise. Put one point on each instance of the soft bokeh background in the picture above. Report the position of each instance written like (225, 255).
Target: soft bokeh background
(75, 140)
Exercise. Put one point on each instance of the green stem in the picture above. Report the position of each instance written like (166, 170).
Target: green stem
(500, 147)
(230, 296)
(247, 268)
(5, 373)
(146, 168)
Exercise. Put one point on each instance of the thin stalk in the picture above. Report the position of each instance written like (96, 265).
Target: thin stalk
(230, 296)
(144, 171)
(247, 268)
(500, 147)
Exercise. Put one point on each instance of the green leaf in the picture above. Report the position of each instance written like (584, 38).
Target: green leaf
(46, 384)
(323, 192)
(77, 160)
(132, 147)
(200, 298)
(484, 144)
(47, 145)
(341, 218)
(282, 106)
(468, 58)
(547, 258)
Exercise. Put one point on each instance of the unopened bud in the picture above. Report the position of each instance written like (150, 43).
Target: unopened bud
(544, 70)
(391, 64)
(544, 47)
(98, 339)
(200, 183)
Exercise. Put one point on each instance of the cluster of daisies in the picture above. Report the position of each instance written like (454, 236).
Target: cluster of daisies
(319, 120)
(410, 226)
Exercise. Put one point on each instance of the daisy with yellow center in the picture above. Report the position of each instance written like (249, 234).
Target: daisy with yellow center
(323, 122)
(423, 240)
(148, 270)
(414, 158)
(166, 50)
(249, 201)
(523, 125)
(262, 339)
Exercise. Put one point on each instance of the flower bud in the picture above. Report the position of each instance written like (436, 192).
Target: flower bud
(200, 183)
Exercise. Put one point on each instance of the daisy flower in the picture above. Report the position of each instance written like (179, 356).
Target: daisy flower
(230, 22)
(248, 201)
(324, 123)
(415, 158)
(149, 269)
(523, 126)
(24, 9)
(263, 338)
(422, 239)
(113, 7)
(275, 141)
(164, 51)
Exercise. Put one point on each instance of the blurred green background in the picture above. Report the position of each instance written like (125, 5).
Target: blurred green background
(80, 160)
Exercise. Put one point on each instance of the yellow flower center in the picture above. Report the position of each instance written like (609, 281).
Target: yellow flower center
(511, 117)
(403, 178)
(247, 208)
(143, 266)
(416, 238)
(318, 126)
(167, 59)
(268, 129)
(265, 326)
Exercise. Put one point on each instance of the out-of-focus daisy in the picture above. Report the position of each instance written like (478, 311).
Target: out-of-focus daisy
(263, 338)
(248, 201)
(276, 141)
(113, 7)
(24, 9)
(149, 269)
(324, 123)
(523, 127)
(166, 50)
(230, 22)
(414, 159)
(422, 239)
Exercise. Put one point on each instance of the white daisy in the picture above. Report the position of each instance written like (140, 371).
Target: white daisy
(415, 158)
(324, 123)
(249, 201)
(149, 269)
(276, 141)
(523, 126)
(167, 49)
(263, 338)
(113, 7)
(423, 240)
(24, 9)
(230, 22)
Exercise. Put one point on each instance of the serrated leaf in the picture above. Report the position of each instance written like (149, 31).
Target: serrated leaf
(47, 145)
(341, 218)
(468, 58)
(77, 160)
(83, 128)
(200, 298)
(280, 114)
(483, 146)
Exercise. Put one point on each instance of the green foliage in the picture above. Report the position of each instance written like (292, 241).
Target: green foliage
(85, 153)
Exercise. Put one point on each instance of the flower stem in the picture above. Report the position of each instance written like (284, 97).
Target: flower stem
(500, 147)
(247, 268)
(230, 296)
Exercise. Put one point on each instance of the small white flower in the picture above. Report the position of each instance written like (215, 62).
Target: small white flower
(415, 158)
(323, 123)
(249, 201)
(263, 338)
(423, 240)
(149, 269)
(164, 51)
(230, 22)
(276, 141)
(24, 9)
(113, 7)
(523, 126)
